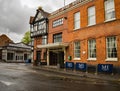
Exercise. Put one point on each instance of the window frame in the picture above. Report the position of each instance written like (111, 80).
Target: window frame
(77, 20)
(76, 50)
(44, 39)
(57, 38)
(57, 22)
(115, 46)
(108, 11)
(93, 16)
(91, 50)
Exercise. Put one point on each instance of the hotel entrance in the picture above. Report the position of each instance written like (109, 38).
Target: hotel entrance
(56, 58)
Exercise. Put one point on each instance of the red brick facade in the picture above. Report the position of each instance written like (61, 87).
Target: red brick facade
(100, 31)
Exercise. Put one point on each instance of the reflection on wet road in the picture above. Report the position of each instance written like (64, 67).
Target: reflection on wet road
(20, 77)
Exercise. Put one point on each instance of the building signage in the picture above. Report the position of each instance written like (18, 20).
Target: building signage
(69, 65)
(105, 68)
(81, 66)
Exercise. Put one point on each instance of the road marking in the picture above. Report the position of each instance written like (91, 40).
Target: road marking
(7, 83)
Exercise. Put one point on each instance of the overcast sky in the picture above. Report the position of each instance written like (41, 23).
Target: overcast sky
(15, 14)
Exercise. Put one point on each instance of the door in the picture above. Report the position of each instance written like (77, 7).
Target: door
(38, 57)
(53, 58)
(61, 59)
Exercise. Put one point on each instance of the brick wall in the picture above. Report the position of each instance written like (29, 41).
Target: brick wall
(4, 40)
(99, 31)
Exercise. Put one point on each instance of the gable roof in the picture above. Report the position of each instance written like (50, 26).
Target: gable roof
(4, 40)
(31, 19)
(42, 12)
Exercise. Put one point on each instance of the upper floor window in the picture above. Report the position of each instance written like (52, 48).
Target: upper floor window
(77, 49)
(35, 27)
(32, 41)
(31, 28)
(42, 25)
(77, 20)
(91, 16)
(44, 40)
(111, 47)
(109, 10)
(92, 48)
(57, 37)
(58, 22)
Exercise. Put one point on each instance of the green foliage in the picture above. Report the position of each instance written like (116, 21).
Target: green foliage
(26, 39)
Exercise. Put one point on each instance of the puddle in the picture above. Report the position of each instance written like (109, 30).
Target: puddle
(7, 83)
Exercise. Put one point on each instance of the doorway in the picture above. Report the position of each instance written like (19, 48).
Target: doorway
(38, 57)
(56, 57)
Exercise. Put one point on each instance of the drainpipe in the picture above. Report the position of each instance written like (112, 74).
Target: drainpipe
(48, 57)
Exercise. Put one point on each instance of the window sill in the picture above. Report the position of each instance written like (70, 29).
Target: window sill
(91, 25)
(76, 29)
(111, 59)
(77, 59)
(91, 59)
(109, 20)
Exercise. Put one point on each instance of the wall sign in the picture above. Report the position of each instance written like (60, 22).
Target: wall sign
(105, 68)
(81, 66)
(69, 65)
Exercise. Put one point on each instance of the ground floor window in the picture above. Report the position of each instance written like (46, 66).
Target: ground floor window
(111, 47)
(10, 56)
(25, 56)
(92, 48)
(77, 49)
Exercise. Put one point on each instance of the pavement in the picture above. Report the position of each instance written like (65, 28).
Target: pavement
(73, 74)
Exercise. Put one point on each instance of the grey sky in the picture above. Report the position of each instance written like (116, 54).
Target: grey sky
(14, 15)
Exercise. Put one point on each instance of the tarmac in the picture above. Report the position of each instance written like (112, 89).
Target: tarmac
(73, 74)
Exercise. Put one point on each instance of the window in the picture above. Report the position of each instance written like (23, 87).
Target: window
(77, 20)
(58, 22)
(109, 9)
(57, 37)
(10, 56)
(42, 25)
(31, 28)
(111, 47)
(35, 27)
(92, 48)
(77, 50)
(32, 41)
(44, 40)
(91, 16)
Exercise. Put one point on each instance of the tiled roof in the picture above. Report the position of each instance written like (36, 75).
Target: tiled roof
(4, 40)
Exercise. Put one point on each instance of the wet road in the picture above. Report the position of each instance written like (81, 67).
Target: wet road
(20, 77)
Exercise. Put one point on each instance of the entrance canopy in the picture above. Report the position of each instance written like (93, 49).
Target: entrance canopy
(53, 45)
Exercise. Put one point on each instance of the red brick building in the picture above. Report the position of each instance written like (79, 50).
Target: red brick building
(85, 31)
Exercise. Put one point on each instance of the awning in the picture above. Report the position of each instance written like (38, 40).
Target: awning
(53, 45)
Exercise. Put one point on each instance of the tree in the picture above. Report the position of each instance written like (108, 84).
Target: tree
(26, 39)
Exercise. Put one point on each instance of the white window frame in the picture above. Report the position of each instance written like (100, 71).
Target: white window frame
(109, 49)
(92, 49)
(77, 48)
(109, 10)
(44, 40)
(91, 16)
(76, 20)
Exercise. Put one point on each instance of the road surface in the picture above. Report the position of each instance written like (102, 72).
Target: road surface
(21, 77)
